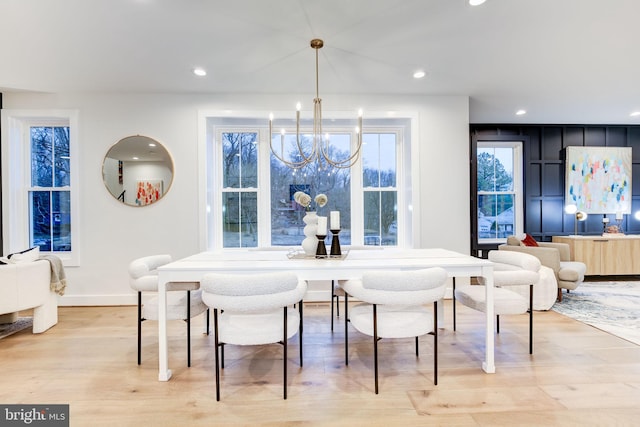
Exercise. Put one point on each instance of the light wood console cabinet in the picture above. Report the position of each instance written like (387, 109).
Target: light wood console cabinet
(605, 256)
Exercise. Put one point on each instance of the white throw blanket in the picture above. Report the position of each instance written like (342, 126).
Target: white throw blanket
(58, 277)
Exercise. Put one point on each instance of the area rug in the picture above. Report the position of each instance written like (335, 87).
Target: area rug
(613, 307)
(17, 326)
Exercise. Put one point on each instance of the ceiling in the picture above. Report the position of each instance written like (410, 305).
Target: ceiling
(564, 61)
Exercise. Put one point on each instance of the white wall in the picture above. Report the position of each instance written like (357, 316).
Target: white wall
(112, 234)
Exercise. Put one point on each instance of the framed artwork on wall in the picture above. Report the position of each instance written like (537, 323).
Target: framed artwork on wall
(598, 179)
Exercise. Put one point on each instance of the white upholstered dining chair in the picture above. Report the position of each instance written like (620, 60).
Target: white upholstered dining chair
(511, 269)
(253, 309)
(183, 302)
(393, 306)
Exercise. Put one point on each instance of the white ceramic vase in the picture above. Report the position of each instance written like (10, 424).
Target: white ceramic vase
(310, 242)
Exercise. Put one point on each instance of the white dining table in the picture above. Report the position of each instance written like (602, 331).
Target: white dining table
(350, 266)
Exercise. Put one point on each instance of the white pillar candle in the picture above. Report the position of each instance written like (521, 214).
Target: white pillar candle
(335, 220)
(322, 226)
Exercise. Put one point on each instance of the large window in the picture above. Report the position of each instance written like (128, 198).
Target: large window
(49, 194)
(240, 189)
(380, 192)
(251, 191)
(499, 178)
(40, 182)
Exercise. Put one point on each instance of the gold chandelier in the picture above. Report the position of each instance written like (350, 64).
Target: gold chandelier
(319, 150)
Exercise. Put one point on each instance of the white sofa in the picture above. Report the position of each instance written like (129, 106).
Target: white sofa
(27, 285)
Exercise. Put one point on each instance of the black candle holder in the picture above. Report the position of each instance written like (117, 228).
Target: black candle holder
(321, 250)
(335, 244)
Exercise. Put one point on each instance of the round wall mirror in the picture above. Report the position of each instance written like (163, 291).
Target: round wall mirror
(137, 170)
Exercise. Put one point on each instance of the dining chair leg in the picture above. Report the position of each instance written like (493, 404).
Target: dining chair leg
(188, 329)
(346, 330)
(497, 323)
(435, 342)
(375, 345)
(139, 327)
(215, 352)
(454, 303)
(300, 329)
(530, 319)
(207, 321)
(284, 342)
(417, 351)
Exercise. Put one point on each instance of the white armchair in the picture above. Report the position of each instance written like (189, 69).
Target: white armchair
(254, 310)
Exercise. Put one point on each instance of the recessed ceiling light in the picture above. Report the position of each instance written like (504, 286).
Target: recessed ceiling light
(200, 72)
(476, 2)
(635, 114)
(521, 112)
(419, 74)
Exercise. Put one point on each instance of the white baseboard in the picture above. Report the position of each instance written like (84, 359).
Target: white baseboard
(97, 300)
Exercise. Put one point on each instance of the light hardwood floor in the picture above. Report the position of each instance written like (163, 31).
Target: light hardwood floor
(578, 375)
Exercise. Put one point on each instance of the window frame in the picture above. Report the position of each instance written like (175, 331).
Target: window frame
(212, 124)
(16, 185)
(518, 186)
(224, 190)
(400, 178)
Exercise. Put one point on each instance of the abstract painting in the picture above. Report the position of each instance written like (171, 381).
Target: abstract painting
(598, 179)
